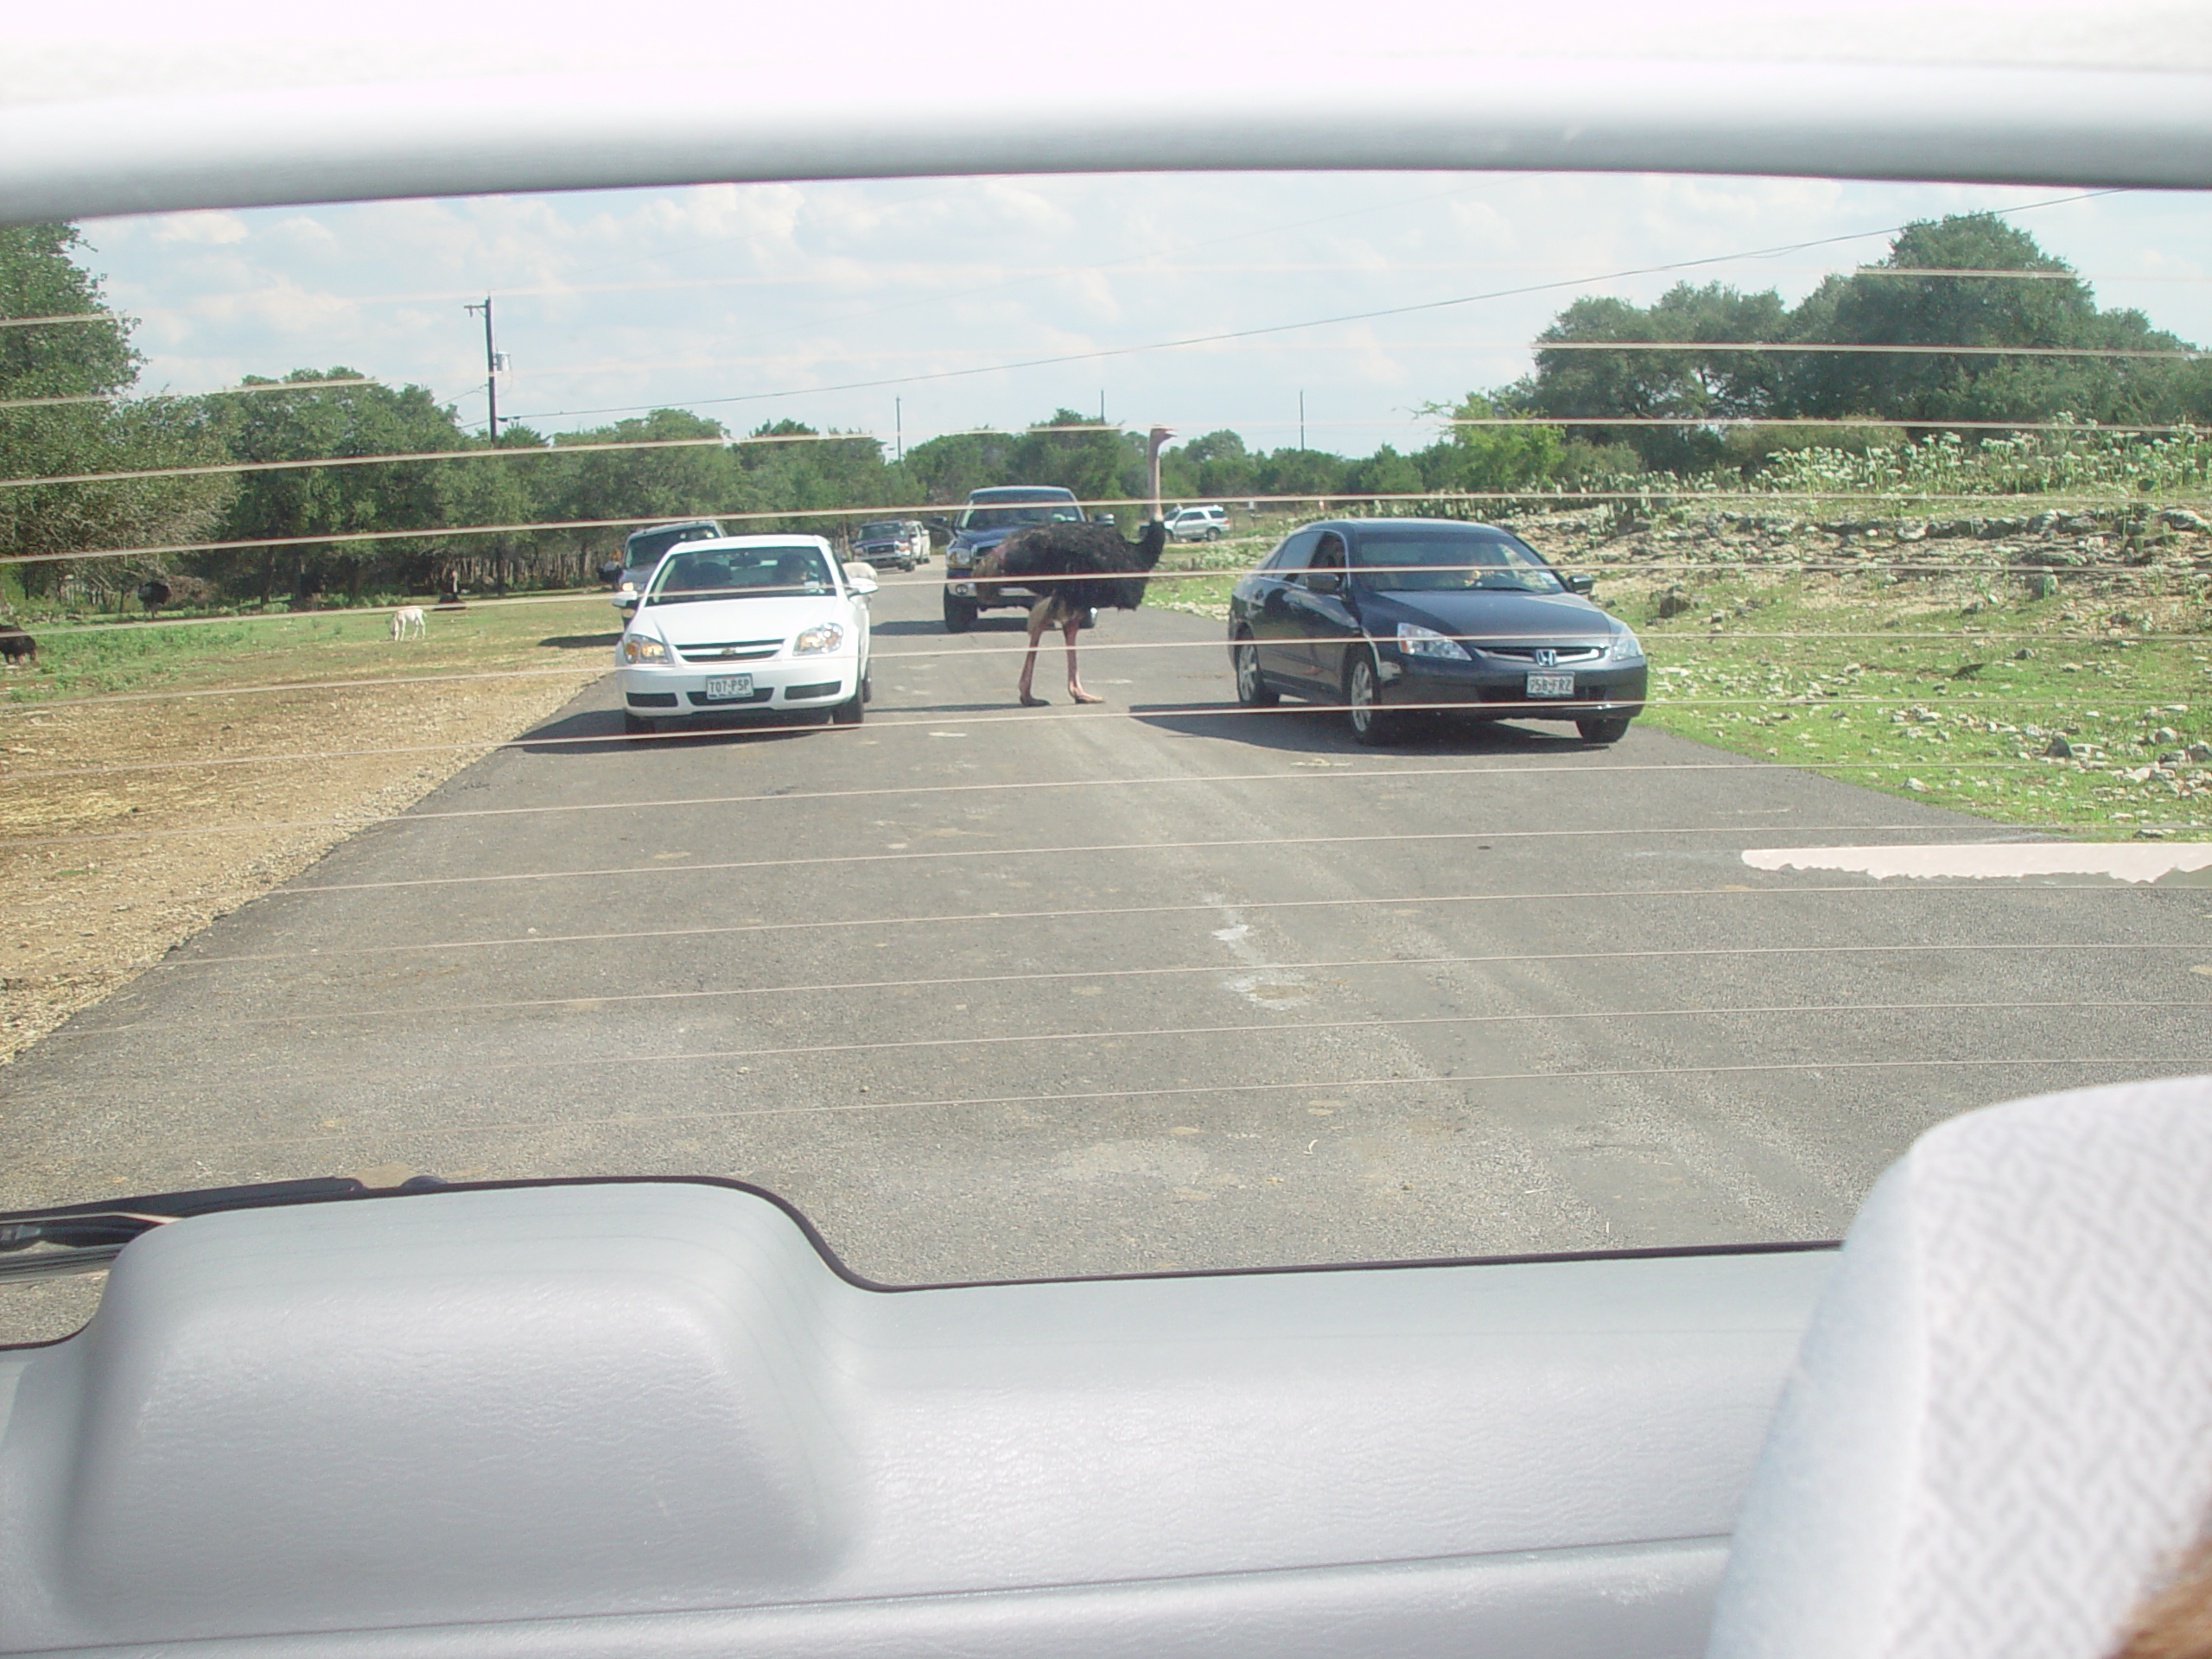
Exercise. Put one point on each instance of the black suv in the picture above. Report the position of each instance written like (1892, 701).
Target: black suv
(989, 517)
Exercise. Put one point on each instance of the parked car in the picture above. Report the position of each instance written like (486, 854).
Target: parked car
(643, 550)
(989, 517)
(1379, 615)
(1198, 523)
(899, 543)
(757, 624)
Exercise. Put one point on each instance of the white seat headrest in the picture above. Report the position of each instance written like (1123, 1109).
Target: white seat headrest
(1998, 1434)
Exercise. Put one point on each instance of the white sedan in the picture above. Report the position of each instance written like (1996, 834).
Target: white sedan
(748, 625)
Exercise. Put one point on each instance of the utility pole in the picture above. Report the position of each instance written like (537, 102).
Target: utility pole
(898, 428)
(1301, 390)
(492, 364)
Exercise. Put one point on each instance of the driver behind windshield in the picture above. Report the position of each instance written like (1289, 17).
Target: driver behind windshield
(1414, 562)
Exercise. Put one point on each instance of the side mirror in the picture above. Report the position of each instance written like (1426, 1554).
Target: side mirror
(1584, 585)
(939, 526)
(1102, 518)
(1324, 582)
(860, 578)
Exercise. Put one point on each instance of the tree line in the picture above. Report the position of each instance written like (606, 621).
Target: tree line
(552, 506)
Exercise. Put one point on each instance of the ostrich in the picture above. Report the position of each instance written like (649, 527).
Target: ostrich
(1082, 568)
(152, 594)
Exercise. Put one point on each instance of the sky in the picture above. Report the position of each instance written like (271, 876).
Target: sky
(901, 308)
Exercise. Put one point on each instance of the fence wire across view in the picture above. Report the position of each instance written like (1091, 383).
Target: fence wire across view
(334, 836)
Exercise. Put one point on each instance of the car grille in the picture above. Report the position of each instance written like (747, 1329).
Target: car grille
(730, 651)
(1561, 655)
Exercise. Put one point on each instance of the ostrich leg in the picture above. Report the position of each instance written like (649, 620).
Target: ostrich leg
(1069, 628)
(1039, 614)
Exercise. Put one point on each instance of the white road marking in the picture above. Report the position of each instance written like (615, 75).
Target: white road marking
(2173, 863)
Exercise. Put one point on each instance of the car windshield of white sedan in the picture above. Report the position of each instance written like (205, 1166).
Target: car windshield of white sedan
(747, 573)
(367, 812)
(1408, 561)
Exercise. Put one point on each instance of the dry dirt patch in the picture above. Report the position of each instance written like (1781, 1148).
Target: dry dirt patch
(128, 825)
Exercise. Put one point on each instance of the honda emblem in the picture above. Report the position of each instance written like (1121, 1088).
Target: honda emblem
(1546, 657)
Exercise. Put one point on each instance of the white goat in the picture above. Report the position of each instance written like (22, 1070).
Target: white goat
(407, 621)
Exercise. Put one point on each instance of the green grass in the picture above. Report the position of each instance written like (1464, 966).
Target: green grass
(1199, 574)
(91, 658)
(1893, 701)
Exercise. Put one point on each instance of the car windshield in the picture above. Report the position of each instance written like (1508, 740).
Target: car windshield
(1449, 561)
(646, 549)
(356, 823)
(739, 573)
(882, 532)
(1013, 516)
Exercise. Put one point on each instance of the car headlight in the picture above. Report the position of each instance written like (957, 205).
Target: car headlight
(823, 636)
(1427, 642)
(643, 648)
(1626, 648)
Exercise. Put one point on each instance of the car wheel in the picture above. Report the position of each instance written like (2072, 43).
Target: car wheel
(867, 685)
(1603, 729)
(1090, 619)
(1371, 723)
(637, 725)
(1252, 687)
(1213, 535)
(959, 613)
(854, 709)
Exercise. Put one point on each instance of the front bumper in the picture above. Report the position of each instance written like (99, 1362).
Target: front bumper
(785, 685)
(1501, 692)
(962, 585)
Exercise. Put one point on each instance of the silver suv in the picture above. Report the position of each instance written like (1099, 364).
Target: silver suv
(1198, 523)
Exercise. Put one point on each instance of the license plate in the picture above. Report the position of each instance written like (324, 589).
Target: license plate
(729, 685)
(1551, 685)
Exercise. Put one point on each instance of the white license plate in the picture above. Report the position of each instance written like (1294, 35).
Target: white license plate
(1551, 685)
(729, 685)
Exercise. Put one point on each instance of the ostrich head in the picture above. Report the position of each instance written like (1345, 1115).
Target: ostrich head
(1151, 541)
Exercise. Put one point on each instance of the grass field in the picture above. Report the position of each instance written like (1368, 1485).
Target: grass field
(1961, 713)
(95, 659)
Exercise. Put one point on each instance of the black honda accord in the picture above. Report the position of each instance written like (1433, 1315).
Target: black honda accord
(1387, 615)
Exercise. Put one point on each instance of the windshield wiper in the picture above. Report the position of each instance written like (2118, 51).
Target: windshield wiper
(86, 1237)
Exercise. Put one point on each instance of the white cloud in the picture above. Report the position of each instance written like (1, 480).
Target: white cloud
(765, 294)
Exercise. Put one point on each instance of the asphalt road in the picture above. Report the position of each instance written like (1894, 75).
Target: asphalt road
(992, 992)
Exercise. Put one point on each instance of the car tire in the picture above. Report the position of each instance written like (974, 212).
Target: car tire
(1252, 687)
(1602, 729)
(959, 613)
(1090, 619)
(853, 709)
(1213, 535)
(1371, 723)
(638, 725)
(867, 685)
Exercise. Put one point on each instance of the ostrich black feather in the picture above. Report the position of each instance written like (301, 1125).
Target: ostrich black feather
(1079, 567)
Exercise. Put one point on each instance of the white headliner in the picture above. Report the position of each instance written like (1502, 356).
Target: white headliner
(132, 107)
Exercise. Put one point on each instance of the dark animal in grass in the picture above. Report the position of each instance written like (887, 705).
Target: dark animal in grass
(16, 646)
(152, 594)
(1079, 569)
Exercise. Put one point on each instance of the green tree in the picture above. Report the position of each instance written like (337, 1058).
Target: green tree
(92, 364)
(1897, 301)
(299, 505)
(1486, 458)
